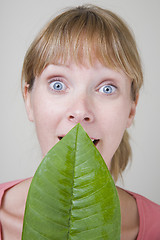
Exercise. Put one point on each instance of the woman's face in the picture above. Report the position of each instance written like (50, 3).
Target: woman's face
(97, 97)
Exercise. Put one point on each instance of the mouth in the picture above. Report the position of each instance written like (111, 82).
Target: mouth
(95, 141)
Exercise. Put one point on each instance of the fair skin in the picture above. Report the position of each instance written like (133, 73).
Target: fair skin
(104, 116)
(63, 95)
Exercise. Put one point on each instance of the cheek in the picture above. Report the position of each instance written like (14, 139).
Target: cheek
(46, 111)
(113, 125)
(115, 117)
(47, 115)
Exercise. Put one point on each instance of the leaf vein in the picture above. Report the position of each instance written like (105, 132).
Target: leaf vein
(49, 206)
(50, 196)
(47, 218)
(92, 193)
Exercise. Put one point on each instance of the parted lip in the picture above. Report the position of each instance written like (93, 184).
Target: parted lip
(94, 140)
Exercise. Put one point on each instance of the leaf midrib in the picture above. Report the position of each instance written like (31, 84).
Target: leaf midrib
(70, 210)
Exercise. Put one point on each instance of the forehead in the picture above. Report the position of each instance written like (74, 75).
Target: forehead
(96, 71)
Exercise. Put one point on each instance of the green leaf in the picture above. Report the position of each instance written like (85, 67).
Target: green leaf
(72, 194)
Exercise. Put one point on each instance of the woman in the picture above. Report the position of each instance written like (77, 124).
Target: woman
(84, 67)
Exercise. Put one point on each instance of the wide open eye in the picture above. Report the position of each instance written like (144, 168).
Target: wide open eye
(108, 89)
(57, 85)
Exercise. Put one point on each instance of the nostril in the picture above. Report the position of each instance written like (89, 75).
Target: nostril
(71, 117)
(87, 119)
(79, 118)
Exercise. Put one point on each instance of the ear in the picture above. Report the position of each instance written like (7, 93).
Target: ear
(28, 102)
(132, 112)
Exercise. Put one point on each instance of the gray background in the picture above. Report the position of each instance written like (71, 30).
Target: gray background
(20, 21)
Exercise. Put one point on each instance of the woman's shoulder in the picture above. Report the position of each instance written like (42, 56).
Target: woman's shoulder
(129, 215)
(149, 217)
(12, 204)
(6, 186)
(13, 196)
(9, 188)
(146, 205)
(14, 191)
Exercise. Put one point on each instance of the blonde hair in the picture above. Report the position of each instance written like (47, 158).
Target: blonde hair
(87, 33)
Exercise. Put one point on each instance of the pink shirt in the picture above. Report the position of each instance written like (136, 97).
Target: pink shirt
(149, 214)
(149, 217)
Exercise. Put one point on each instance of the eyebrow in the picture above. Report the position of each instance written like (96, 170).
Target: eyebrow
(61, 65)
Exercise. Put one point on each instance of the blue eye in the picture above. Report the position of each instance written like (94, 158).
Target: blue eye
(57, 86)
(108, 89)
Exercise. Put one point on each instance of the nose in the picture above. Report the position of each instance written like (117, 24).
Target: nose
(80, 111)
